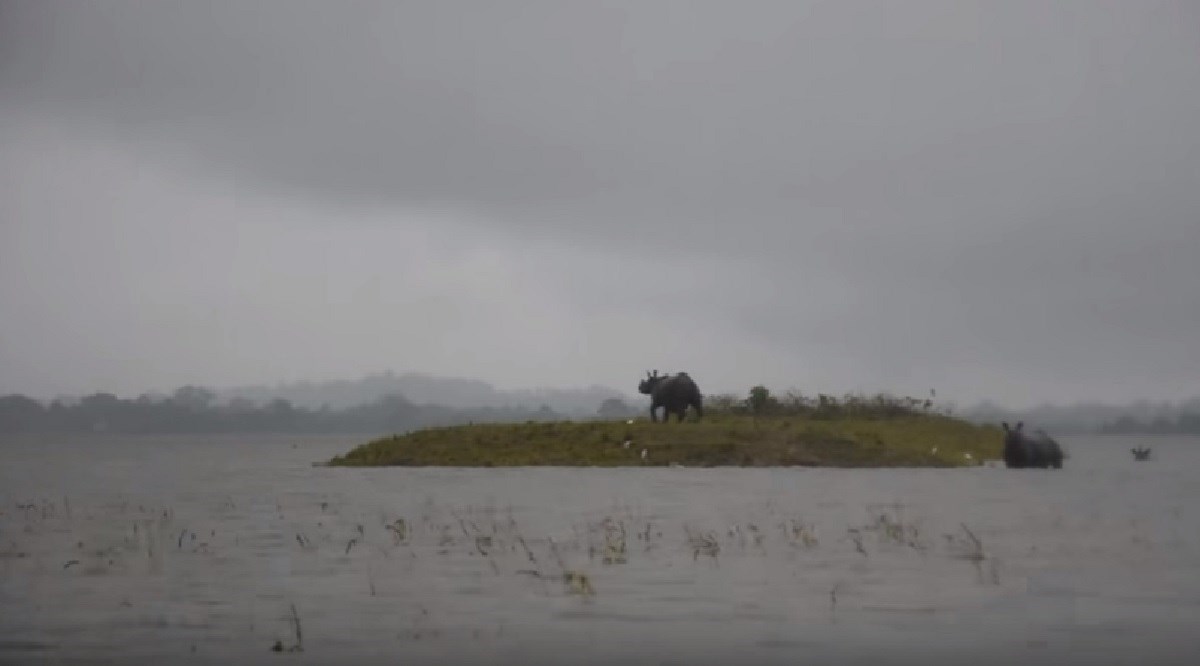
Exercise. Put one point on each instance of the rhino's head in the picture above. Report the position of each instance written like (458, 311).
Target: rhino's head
(647, 385)
(1013, 436)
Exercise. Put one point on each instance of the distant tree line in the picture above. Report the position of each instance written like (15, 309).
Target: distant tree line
(1186, 423)
(192, 409)
(1140, 416)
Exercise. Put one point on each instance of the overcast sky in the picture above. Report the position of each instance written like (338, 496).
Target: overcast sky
(995, 200)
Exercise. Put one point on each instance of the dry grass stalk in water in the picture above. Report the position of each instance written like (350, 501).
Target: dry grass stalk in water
(702, 543)
(399, 530)
(578, 583)
(614, 542)
(299, 644)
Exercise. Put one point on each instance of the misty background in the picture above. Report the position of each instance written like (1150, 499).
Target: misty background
(995, 200)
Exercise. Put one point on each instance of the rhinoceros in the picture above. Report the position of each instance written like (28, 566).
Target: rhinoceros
(1037, 450)
(674, 393)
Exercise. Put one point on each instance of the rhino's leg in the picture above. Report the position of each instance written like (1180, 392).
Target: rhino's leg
(653, 416)
(1022, 455)
(1014, 456)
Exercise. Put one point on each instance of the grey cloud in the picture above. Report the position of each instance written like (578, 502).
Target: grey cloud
(768, 109)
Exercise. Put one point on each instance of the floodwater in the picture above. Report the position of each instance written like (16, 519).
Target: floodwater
(218, 549)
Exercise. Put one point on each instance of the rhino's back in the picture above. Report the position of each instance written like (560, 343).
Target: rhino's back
(678, 386)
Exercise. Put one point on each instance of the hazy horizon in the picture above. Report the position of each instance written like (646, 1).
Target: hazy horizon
(994, 200)
(573, 399)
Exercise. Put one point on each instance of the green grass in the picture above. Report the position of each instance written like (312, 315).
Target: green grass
(721, 439)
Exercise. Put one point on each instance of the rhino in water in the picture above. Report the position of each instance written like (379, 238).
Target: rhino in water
(1037, 450)
(674, 393)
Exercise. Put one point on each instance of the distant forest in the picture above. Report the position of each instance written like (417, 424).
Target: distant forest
(1188, 423)
(424, 389)
(1141, 417)
(193, 409)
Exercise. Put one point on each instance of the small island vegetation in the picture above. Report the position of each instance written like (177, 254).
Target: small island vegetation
(759, 431)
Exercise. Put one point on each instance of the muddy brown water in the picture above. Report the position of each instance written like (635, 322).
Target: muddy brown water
(217, 549)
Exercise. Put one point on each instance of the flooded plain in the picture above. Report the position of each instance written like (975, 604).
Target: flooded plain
(237, 549)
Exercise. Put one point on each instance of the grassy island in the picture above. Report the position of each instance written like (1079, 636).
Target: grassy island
(812, 438)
